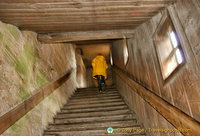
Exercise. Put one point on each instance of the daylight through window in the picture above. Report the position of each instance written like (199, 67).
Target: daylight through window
(168, 48)
(125, 51)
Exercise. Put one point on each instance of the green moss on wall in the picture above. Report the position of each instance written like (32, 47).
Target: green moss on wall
(1, 36)
(16, 128)
(13, 31)
(41, 78)
(23, 94)
(27, 116)
(23, 63)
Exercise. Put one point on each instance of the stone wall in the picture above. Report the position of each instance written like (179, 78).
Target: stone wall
(183, 89)
(26, 66)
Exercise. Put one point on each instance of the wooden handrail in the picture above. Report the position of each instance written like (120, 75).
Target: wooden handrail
(175, 116)
(21, 109)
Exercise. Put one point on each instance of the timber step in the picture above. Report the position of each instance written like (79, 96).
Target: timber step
(96, 94)
(105, 109)
(93, 105)
(122, 123)
(95, 113)
(93, 102)
(90, 113)
(95, 98)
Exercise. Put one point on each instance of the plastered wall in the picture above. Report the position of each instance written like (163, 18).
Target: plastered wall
(26, 66)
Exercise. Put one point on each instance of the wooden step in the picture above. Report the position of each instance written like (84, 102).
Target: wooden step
(58, 128)
(95, 98)
(93, 88)
(92, 114)
(96, 93)
(53, 134)
(94, 119)
(114, 124)
(105, 109)
(93, 102)
(67, 107)
(89, 113)
(97, 132)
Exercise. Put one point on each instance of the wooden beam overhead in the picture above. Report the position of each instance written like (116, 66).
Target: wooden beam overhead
(80, 14)
(84, 4)
(85, 1)
(77, 22)
(83, 36)
(50, 15)
(75, 29)
(84, 10)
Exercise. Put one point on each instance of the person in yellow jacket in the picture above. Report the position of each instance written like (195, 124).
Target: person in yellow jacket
(99, 66)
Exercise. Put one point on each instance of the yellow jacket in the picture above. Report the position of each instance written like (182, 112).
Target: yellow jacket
(99, 66)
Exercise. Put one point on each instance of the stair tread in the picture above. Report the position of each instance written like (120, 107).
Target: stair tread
(89, 113)
(89, 116)
(99, 131)
(93, 102)
(93, 105)
(90, 119)
(98, 113)
(94, 127)
(92, 122)
(94, 88)
(98, 98)
(95, 96)
(89, 125)
(92, 99)
(53, 134)
(95, 109)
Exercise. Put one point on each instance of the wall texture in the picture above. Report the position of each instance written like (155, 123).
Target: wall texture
(80, 71)
(183, 89)
(26, 66)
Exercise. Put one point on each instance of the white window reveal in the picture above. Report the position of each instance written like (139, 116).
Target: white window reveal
(125, 51)
(168, 47)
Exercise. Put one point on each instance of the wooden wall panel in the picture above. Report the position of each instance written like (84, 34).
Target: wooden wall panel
(130, 52)
(190, 19)
(118, 53)
(182, 90)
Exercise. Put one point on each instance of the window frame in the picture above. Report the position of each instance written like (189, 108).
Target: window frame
(166, 15)
(125, 45)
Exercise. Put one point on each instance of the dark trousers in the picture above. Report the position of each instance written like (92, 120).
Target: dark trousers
(100, 80)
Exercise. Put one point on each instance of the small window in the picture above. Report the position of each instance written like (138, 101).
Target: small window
(168, 47)
(125, 51)
(111, 59)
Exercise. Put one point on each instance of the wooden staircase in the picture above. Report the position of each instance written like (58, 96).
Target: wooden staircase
(90, 113)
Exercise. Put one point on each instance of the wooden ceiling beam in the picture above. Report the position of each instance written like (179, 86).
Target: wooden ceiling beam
(82, 27)
(76, 2)
(91, 42)
(88, 14)
(82, 10)
(77, 22)
(75, 29)
(74, 17)
(83, 36)
(83, 4)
